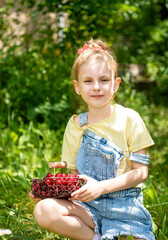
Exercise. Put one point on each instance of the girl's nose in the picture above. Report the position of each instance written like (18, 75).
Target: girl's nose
(96, 86)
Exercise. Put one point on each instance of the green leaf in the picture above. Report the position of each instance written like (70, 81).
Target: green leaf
(164, 223)
(154, 226)
(21, 237)
(130, 237)
(153, 194)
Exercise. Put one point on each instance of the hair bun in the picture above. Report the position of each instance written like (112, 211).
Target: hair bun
(97, 43)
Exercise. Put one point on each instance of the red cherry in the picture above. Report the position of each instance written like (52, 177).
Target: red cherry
(63, 175)
(63, 188)
(55, 182)
(47, 181)
(58, 175)
(70, 179)
(49, 175)
(64, 182)
(70, 183)
(41, 184)
(35, 188)
(52, 182)
(56, 191)
(73, 188)
(79, 184)
(75, 180)
(58, 182)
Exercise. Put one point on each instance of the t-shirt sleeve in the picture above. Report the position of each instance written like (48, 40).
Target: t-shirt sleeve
(137, 134)
(70, 145)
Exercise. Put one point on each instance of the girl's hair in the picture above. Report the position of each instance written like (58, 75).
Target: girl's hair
(98, 50)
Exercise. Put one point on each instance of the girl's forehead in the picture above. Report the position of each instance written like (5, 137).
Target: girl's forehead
(95, 66)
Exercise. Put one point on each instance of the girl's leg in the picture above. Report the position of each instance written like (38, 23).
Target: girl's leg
(66, 218)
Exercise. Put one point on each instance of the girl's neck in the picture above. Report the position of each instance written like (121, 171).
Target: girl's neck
(98, 115)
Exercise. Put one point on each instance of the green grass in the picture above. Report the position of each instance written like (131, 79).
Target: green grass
(25, 152)
(24, 155)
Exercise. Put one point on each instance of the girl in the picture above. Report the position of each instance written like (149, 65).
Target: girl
(106, 146)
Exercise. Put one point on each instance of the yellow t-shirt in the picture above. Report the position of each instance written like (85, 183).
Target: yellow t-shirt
(124, 128)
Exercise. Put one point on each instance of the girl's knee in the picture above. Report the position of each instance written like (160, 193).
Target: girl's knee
(46, 212)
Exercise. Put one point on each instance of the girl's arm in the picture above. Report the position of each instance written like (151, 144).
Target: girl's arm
(138, 174)
(93, 189)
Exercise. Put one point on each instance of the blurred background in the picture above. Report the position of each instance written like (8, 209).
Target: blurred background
(38, 44)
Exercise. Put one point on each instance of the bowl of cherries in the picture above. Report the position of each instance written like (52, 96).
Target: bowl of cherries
(56, 185)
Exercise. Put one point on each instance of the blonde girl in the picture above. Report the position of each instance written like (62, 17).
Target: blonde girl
(106, 146)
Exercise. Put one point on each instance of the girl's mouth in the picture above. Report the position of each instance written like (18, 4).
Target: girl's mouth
(96, 96)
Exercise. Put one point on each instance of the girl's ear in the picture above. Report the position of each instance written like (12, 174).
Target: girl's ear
(76, 86)
(117, 83)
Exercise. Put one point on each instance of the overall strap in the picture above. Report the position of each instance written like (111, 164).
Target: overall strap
(83, 118)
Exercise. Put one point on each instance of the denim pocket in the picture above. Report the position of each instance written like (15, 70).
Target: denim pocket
(143, 212)
(97, 157)
(99, 164)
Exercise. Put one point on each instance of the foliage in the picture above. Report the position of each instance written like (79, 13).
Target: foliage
(36, 90)
(39, 41)
(36, 61)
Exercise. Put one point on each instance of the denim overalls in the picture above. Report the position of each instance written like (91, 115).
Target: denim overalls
(117, 213)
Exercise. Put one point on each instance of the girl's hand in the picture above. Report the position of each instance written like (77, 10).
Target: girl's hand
(36, 200)
(90, 191)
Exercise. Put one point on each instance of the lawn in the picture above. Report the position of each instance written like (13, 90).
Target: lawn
(25, 152)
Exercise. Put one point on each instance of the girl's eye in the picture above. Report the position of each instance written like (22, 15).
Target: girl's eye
(87, 81)
(104, 80)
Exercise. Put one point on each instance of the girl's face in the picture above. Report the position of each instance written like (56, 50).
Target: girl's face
(96, 84)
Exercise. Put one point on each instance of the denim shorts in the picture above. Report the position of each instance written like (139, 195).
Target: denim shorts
(117, 213)
(121, 214)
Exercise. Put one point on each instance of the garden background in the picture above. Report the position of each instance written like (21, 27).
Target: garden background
(38, 43)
